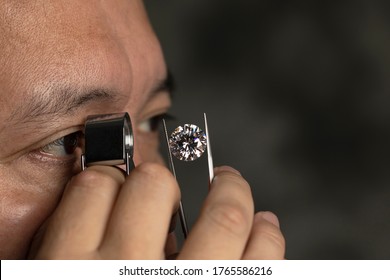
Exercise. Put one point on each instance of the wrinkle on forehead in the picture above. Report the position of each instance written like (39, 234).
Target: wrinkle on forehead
(86, 44)
(57, 26)
(54, 43)
(23, 21)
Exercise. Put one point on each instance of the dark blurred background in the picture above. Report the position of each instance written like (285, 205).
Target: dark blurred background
(297, 97)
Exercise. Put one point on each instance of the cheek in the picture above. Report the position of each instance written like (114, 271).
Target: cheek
(24, 207)
(19, 220)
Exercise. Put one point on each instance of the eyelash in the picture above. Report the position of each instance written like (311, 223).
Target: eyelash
(64, 146)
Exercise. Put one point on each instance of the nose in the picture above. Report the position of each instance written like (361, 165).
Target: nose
(137, 155)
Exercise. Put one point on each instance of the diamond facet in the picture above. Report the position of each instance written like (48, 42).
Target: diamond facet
(188, 142)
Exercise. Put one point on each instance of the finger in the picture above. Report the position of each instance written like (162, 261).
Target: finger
(223, 227)
(171, 242)
(171, 246)
(266, 240)
(78, 224)
(141, 217)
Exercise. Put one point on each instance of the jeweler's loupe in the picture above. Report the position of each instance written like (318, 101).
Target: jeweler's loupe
(108, 141)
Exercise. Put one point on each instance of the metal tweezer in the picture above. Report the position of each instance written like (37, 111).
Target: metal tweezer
(183, 220)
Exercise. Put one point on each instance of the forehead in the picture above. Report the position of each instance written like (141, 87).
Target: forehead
(46, 44)
(28, 22)
(69, 15)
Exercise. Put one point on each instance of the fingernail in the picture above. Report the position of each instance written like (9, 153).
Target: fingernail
(268, 216)
(227, 169)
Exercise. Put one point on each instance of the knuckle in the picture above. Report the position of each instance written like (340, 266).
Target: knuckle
(153, 170)
(92, 178)
(157, 180)
(230, 217)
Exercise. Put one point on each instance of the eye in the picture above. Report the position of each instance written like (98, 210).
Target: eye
(63, 146)
(152, 124)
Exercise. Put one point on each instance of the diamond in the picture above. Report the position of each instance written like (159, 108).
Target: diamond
(187, 142)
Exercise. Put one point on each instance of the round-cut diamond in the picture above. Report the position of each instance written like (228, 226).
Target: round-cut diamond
(187, 142)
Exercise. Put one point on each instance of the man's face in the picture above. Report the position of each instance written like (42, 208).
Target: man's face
(60, 62)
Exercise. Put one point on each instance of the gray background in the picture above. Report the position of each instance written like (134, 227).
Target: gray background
(297, 97)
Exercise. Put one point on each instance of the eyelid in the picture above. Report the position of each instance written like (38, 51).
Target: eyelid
(58, 148)
(41, 143)
(56, 136)
(149, 124)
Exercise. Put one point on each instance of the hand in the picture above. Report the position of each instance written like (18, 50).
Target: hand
(103, 215)
(227, 228)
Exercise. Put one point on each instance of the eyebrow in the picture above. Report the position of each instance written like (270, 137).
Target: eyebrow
(167, 84)
(58, 103)
(66, 101)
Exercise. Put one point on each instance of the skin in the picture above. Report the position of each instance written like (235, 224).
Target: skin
(104, 56)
